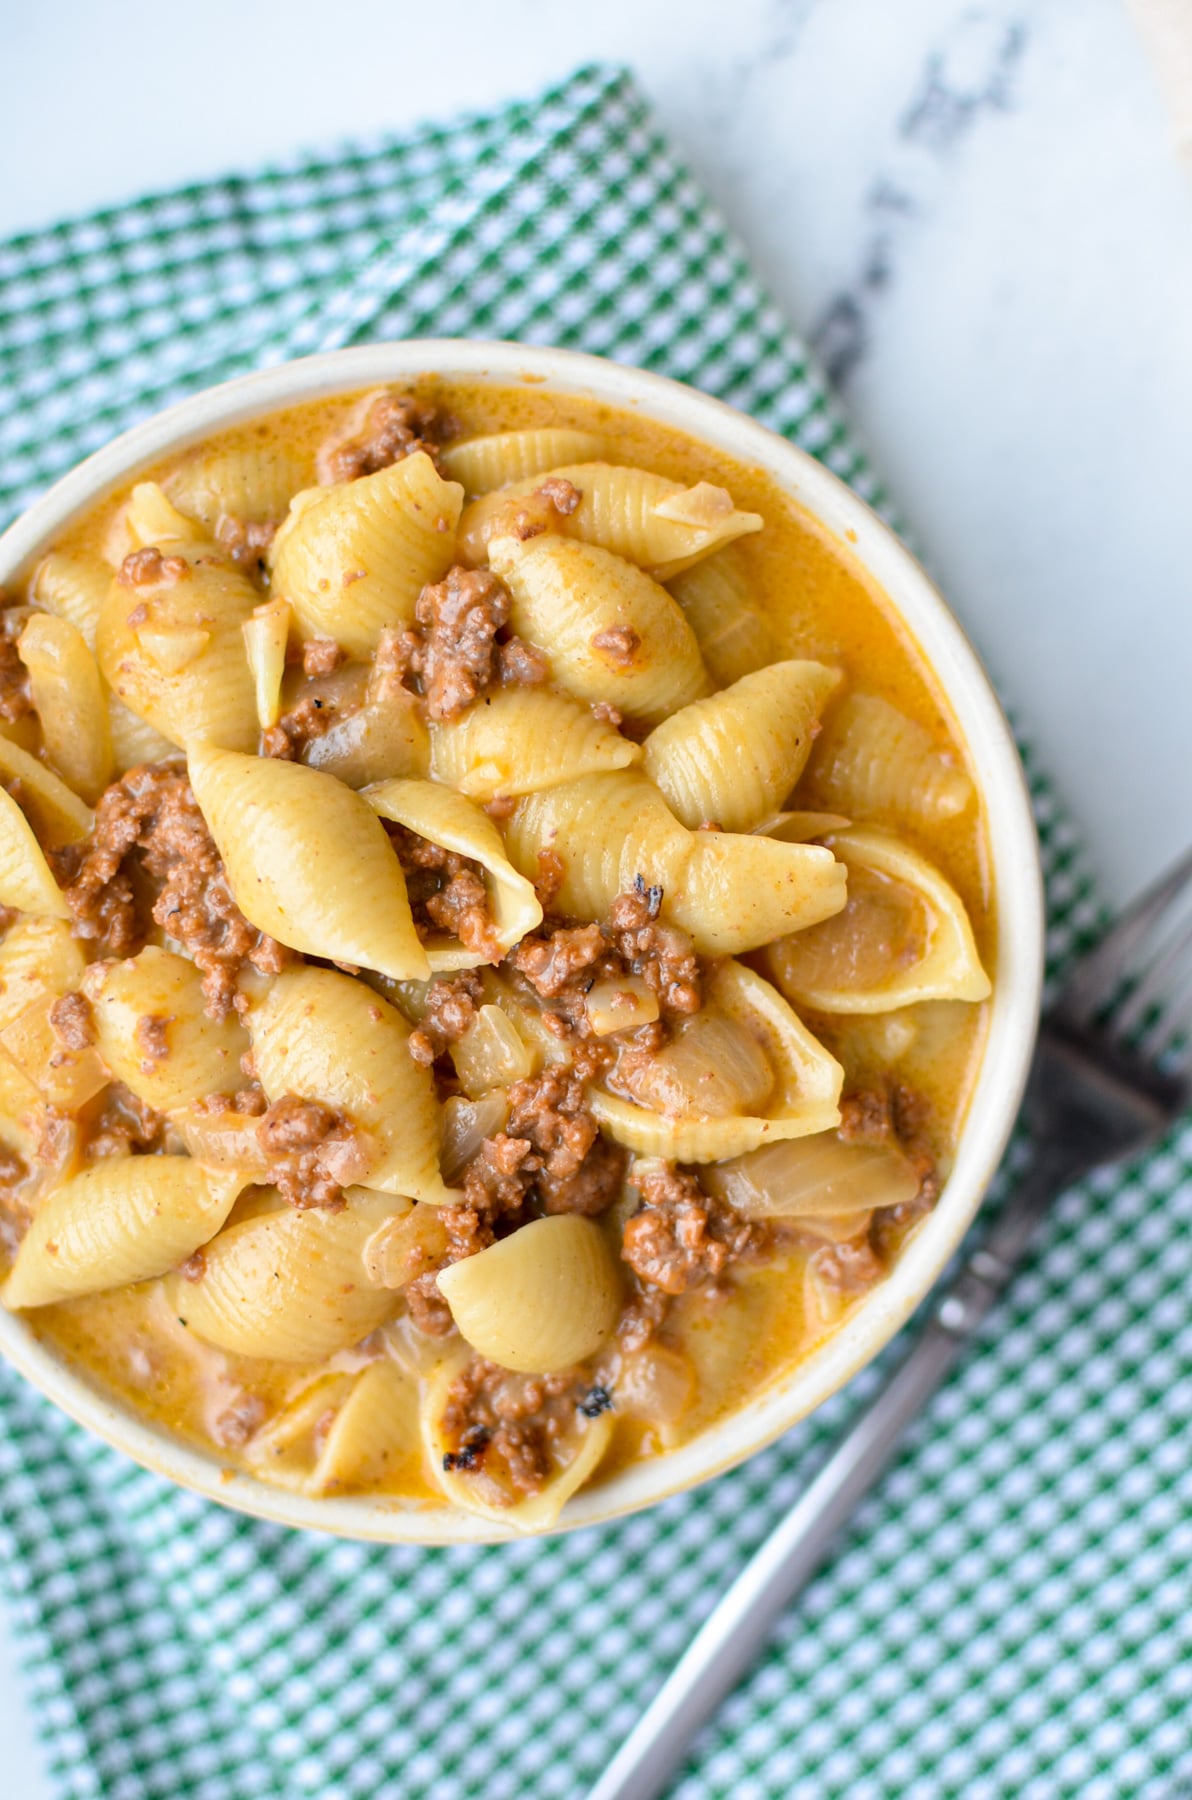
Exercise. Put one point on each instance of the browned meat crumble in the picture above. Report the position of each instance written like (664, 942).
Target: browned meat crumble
(122, 1125)
(459, 643)
(246, 540)
(395, 425)
(148, 829)
(238, 1421)
(72, 1023)
(682, 1237)
(507, 1424)
(890, 1115)
(314, 1152)
(447, 893)
(16, 700)
(150, 1038)
(150, 568)
(451, 1002)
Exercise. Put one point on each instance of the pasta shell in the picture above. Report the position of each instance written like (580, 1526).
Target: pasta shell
(576, 1454)
(72, 587)
(68, 694)
(446, 818)
(65, 1078)
(254, 484)
(152, 518)
(125, 1219)
(325, 1036)
(286, 1448)
(173, 651)
(803, 1099)
(610, 632)
(352, 559)
(539, 1300)
(289, 1284)
(38, 956)
(717, 597)
(801, 827)
(903, 937)
(308, 861)
(735, 756)
(134, 740)
(501, 457)
(872, 762)
(374, 1442)
(519, 740)
(730, 892)
(26, 883)
(202, 1056)
(658, 524)
(57, 815)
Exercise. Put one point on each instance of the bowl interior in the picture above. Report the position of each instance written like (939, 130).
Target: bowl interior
(1015, 864)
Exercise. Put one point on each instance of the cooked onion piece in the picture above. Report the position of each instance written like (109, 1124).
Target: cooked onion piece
(904, 936)
(765, 1076)
(374, 1437)
(819, 1177)
(539, 1300)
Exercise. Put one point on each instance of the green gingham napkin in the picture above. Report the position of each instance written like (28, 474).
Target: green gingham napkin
(1010, 1618)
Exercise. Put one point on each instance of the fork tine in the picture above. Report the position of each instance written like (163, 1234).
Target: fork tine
(1155, 985)
(1094, 980)
(1175, 1022)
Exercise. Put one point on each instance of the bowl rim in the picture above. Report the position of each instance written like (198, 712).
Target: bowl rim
(1017, 883)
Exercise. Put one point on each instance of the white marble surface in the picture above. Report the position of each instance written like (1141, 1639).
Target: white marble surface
(973, 210)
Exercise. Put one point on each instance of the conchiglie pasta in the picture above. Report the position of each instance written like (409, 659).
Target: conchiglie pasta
(501, 457)
(327, 1037)
(26, 883)
(658, 524)
(797, 1094)
(873, 762)
(38, 955)
(134, 740)
(730, 892)
(154, 1035)
(575, 1455)
(126, 1219)
(903, 937)
(374, 1438)
(308, 861)
(289, 1284)
(172, 650)
(735, 756)
(719, 600)
(65, 1076)
(72, 587)
(447, 819)
(352, 559)
(610, 632)
(56, 812)
(518, 740)
(543, 1298)
(68, 694)
(254, 484)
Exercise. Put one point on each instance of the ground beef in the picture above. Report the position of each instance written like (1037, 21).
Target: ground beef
(682, 1237)
(151, 568)
(395, 425)
(249, 1101)
(72, 1023)
(246, 540)
(497, 1178)
(14, 1214)
(562, 494)
(322, 656)
(447, 893)
(314, 1152)
(663, 955)
(148, 824)
(287, 740)
(465, 1231)
(16, 700)
(573, 1168)
(452, 651)
(561, 962)
(890, 1115)
(507, 1424)
(123, 1125)
(552, 873)
(620, 644)
(848, 1268)
(149, 1035)
(237, 1422)
(451, 1003)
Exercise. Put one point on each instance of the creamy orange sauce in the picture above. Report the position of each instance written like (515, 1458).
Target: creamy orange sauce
(823, 606)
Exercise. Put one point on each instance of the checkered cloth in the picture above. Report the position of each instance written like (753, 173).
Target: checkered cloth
(1009, 1616)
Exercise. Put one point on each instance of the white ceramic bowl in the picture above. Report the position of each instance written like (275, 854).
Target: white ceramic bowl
(1012, 841)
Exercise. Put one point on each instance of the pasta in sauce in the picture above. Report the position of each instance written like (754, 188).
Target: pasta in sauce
(496, 940)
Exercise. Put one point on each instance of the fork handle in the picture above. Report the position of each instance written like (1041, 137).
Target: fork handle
(738, 1627)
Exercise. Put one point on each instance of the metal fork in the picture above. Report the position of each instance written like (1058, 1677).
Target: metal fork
(1111, 1072)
